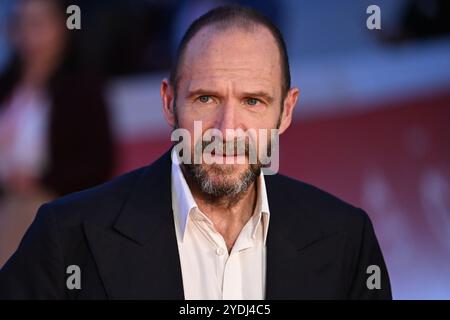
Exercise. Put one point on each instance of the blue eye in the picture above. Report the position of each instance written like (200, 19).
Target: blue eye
(204, 99)
(252, 101)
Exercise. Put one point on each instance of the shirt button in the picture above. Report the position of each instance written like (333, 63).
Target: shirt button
(220, 251)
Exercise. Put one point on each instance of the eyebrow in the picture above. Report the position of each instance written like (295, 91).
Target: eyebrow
(202, 92)
(257, 94)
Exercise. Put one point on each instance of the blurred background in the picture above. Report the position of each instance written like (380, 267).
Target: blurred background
(372, 126)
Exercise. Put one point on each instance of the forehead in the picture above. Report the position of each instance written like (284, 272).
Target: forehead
(247, 57)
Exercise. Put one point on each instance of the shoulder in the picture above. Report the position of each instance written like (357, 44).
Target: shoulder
(313, 205)
(100, 204)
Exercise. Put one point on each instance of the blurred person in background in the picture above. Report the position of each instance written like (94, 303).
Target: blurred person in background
(55, 135)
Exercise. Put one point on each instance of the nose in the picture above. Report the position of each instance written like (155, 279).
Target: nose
(227, 118)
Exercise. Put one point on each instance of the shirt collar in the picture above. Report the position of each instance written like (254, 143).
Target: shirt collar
(183, 202)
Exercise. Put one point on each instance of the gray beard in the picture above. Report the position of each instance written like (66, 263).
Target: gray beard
(221, 191)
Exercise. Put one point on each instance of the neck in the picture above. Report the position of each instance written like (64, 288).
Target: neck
(228, 214)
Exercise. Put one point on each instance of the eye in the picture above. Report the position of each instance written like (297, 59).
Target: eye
(252, 101)
(205, 99)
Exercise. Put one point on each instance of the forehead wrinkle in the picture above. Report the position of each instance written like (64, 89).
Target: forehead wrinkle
(245, 84)
(230, 76)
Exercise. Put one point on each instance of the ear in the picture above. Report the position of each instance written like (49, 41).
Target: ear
(289, 104)
(167, 97)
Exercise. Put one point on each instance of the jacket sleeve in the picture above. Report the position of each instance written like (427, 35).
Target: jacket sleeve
(371, 278)
(35, 271)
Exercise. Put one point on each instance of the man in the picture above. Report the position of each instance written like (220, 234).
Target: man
(181, 229)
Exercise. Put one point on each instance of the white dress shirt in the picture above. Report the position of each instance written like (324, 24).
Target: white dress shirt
(208, 270)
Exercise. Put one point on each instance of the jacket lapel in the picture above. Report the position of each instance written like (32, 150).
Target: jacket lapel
(139, 258)
(293, 270)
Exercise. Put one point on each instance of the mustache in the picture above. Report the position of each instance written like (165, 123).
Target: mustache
(235, 147)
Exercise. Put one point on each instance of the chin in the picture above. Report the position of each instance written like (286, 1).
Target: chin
(230, 170)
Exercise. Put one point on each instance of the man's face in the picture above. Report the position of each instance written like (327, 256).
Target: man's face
(229, 79)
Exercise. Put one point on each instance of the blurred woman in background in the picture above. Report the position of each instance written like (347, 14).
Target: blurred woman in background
(55, 135)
